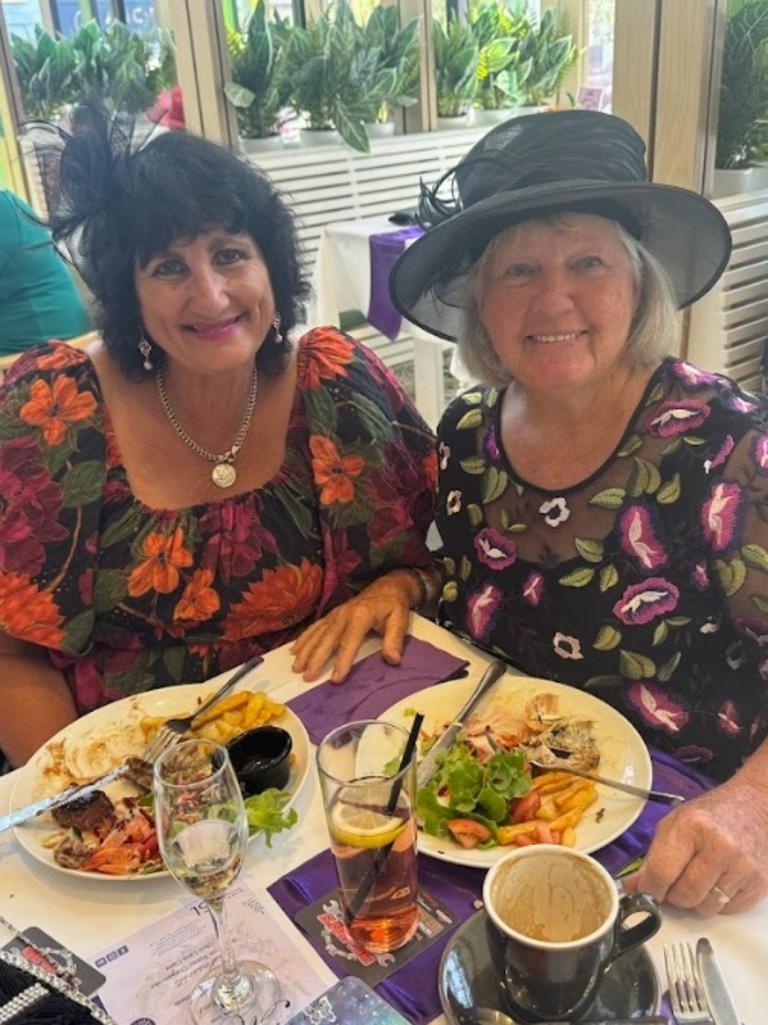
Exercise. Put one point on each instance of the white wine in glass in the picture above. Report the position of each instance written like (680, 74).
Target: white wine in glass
(203, 832)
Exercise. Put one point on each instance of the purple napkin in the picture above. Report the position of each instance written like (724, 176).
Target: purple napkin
(412, 989)
(385, 249)
(373, 686)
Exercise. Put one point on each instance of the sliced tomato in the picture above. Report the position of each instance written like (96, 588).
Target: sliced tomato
(524, 808)
(467, 832)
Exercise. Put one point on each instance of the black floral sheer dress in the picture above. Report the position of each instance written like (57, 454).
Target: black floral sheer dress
(646, 584)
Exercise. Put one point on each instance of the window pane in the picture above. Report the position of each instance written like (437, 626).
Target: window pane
(601, 18)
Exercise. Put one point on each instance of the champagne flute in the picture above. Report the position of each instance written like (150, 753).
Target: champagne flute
(202, 831)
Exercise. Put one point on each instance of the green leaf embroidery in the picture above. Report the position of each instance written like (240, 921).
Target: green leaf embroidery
(78, 631)
(692, 439)
(604, 682)
(109, 589)
(174, 660)
(608, 637)
(634, 666)
(472, 418)
(756, 556)
(609, 577)
(656, 395)
(672, 447)
(121, 529)
(762, 603)
(632, 445)
(450, 566)
(611, 498)
(474, 514)
(578, 578)
(473, 464)
(450, 591)
(82, 484)
(669, 492)
(645, 478)
(677, 621)
(517, 528)
(321, 412)
(494, 484)
(472, 398)
(466, 568)
(660, 634)
(731, 575)
(504, 519)
(666, 671)
(589, 549)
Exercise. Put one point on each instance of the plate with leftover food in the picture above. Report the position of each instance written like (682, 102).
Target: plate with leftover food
(487, 797)
(111, 833)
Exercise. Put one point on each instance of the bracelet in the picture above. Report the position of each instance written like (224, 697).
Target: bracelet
(425, 585)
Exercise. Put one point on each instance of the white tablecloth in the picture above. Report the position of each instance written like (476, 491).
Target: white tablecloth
(89, 916)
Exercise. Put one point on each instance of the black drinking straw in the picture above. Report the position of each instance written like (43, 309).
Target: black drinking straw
(374, 869)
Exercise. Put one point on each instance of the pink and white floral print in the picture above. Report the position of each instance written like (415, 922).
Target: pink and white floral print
(644, 602)
(721, 515)
(639, 537)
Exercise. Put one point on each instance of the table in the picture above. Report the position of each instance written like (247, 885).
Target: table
(342, 281)
(90, 915)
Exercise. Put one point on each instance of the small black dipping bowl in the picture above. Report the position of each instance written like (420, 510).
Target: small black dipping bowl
(260, 759)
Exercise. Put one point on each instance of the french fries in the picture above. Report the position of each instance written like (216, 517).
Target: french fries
(225, 720)
(561, 804)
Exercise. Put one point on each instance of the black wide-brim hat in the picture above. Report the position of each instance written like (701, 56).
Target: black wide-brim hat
(572, 160)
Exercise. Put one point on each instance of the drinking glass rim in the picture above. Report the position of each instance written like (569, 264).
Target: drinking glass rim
(215, 749)
(553, 946)
(360, 780)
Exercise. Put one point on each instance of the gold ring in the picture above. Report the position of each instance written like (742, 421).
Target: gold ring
(720, 895)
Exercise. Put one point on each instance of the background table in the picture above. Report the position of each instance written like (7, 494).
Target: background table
(90, 915)
(342, 281)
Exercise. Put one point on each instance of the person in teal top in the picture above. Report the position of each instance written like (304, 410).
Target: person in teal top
(38, 298)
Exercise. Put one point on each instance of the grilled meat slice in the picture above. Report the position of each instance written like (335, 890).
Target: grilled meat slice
(85, 813)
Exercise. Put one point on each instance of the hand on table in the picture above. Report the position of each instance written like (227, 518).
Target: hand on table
(383, 606)
(717, 842)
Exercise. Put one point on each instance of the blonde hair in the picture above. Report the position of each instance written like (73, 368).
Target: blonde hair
(652, 334)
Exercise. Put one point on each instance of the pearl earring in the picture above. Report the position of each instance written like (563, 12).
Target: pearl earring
(276, 322)
(146, 351)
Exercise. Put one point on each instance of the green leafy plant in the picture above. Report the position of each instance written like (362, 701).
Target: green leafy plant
(398, 51)
(456, 60)
(551, 54)
(45, 70)
(258, 89)
(499, 30)
(742, 130)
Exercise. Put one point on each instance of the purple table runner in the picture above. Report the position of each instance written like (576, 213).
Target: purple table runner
(373, 686)
(384, 251)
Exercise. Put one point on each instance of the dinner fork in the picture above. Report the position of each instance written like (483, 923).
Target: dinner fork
(685, 993)
(170, 732)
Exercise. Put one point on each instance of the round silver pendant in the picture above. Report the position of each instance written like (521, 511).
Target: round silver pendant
(223, 475)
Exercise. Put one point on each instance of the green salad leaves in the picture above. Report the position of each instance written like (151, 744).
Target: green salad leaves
(463, 787)
(266, 814)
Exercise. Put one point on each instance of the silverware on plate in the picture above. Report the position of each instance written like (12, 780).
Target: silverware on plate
(628, 788)
(686, 995)
(718, 996)
(168, 734)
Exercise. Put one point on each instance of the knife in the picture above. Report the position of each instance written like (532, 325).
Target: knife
(15, 818)
(429, 764)
(716, 991)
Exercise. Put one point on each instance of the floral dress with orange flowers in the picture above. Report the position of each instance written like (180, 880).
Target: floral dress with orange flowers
(647, 583)
(126, 598)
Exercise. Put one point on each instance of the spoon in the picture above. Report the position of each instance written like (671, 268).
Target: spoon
(628, 788)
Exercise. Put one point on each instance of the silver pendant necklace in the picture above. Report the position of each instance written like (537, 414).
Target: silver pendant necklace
(223, 473)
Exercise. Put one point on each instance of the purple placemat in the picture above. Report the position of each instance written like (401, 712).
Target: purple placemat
(412, 989)
(373, 686)
(384, 250)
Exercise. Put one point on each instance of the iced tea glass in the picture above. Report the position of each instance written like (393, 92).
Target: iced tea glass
(369, 807)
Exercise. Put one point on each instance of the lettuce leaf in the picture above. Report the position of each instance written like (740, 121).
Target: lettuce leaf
(265, 813)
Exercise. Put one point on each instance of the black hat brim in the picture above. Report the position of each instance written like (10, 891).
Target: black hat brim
(686, 233)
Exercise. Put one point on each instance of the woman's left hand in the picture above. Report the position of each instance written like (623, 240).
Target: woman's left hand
(383, 606)
(711, 854)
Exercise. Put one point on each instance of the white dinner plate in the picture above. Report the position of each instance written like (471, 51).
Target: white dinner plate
(168, 701)
(623, 755)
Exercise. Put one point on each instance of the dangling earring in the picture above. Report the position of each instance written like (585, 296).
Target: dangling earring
(276, 322)
(146, 351)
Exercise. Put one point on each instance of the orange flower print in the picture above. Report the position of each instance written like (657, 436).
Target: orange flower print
(164, 555)
(282, 597)
(52, 409)
(61, 355)
(324, 352)
(333, 472)
(29, 614)
(199, 601)
(429, 465)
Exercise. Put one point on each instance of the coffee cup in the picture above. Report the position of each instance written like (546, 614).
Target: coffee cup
(556, 923)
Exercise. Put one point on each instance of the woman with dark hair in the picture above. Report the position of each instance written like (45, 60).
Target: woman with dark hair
(196, 488)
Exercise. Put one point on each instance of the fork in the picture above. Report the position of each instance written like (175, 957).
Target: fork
(171, 731)
(685, 993)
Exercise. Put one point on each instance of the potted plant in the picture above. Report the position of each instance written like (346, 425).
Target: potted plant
(456, 58)
(398, 51)
(46, 74)
(551, 54)
(257, 89)
(499, 30)
(742, 129)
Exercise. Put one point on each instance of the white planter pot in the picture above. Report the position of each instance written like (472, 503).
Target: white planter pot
(267, 144)
(380, 129)
(312, 137)
(727, 182)
(493, 117)
(461, 121)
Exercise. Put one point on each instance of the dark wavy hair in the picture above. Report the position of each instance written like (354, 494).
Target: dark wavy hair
(121, 204)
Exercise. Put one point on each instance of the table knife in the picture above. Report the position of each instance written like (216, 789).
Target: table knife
(720, 1001)
(429, 764)
(15, 818)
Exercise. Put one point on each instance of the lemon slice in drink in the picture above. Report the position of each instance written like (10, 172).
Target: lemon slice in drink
(356, 825)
